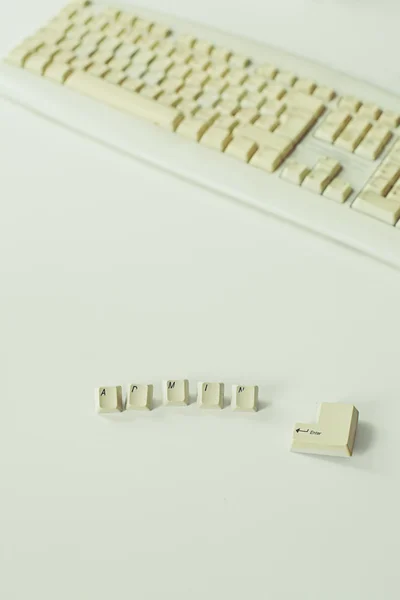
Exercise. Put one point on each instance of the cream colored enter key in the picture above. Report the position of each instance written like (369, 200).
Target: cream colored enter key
(333, 435)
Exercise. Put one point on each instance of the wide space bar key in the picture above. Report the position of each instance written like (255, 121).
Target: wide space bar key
(124, 100)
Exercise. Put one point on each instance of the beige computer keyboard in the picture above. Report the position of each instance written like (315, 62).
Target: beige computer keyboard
(252, 110)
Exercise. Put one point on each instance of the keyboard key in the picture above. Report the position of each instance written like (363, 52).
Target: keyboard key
(238, 61)
(236, 77)
(394, 194)
(242, 148)
(102, 57)
(317, 181)
(333, 125)
(97, 70)
(247, 116)
(58, 72)
(210, 395)
(226, 122)
(234, 93)
(374, 142)
(267, 70)
(312, 106)
(274, 91)
(115, 77)
(331, 165)
(264, 138)
(165, 48)
(37, 63)
(353, 134)
(172, 85)
(153, 79)
(268, 159)
(121, 99)
(218, 70)
(268, 122)
(255, 83)
(79, 64)
(188, 108)
(374, 205)
(203, 46)
(333, 435)
(369, 111)
(19, 55)
(133, 85)
(253, 100)
(186, 41)
(389, 119)
(322, 174)
(295, 172)
(119, 64)
(220, 54)
(390, 171)
(153, 92)
(190, 93)
(378, 185)
(140, 397)
(109, 399)
(349, 103)
(144, 57)
(98, 23)
(169, 100)
(160, 31)
(245, 398)
(197, 79)
(176, 393)
(217, 138)
(394, 154)
(294, 128)
(286, 78)
(306, 86)
(65, 57)
(228, 107)
(273, 107)
(194, 128)
(338, 190)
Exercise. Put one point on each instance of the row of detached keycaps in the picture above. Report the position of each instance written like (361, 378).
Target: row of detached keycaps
(175, 393)
(333, 433)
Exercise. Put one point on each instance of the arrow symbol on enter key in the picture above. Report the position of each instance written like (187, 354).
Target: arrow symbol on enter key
(302, 430)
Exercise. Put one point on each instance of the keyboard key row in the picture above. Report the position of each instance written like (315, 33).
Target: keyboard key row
(210, 395)
(333, 434)
(354, 134)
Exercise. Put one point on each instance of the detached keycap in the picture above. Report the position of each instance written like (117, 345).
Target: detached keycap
(109, 399)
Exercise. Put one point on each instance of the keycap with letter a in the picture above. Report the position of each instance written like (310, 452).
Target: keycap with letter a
(109, 399)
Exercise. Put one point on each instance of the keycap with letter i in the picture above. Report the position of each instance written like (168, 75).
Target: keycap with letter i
(210, 395)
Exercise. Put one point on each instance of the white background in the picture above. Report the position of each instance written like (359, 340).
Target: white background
(112, 272)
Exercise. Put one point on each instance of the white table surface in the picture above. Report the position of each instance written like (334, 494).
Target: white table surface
(112, 272)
